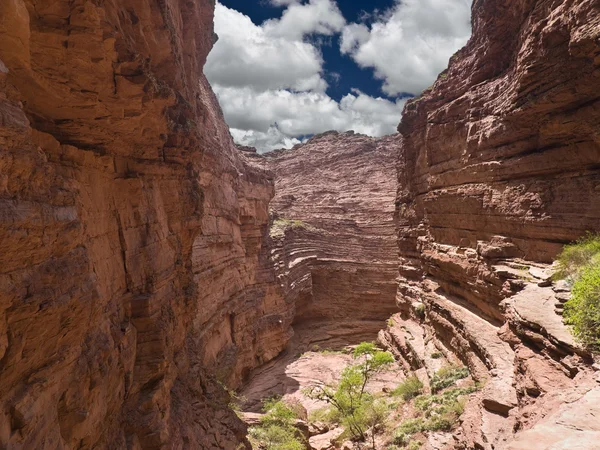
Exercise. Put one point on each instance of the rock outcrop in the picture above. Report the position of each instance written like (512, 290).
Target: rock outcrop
(132, 269)
(502, 168)
(333, 233)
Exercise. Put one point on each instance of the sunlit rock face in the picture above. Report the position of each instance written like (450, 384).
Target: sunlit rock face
(502, 161)
(333, 235)
(132, 269)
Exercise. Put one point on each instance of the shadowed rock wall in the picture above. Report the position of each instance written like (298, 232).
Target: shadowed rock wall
(132, 272)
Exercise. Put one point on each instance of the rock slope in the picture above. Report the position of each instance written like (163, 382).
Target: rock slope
(132, 270)
(502, 168)
(333, 234)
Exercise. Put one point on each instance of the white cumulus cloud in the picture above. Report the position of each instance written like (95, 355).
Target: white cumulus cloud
(270, 80)
(410, 44)
(246, 55)
(317, 16)
(303, 113)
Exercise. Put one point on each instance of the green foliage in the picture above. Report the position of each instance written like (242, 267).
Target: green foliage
(281, 225)
(277, 429)
(236, 400)
(580, 263)
(400, 438)
(409, 388)
(410, 445)
(437, 355)
(277, 412)
(576, 257)
(350, 404)
(442, 411)
(447, 376)
(364, 348)
(419, 309)
(582, 310)
(275, 437)
(414, 445)
(411, 426)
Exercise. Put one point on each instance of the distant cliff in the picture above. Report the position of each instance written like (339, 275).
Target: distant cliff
(333, 232)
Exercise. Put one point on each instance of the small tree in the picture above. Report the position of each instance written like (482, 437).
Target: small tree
(356, 408)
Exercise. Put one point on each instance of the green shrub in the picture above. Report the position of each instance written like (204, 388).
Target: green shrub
(439, 423)
(437, 355)
(419, 309)
(275, 437)
(326, 414)
(411, 426)
(277, 430)
(403, 440)
(409, 388)
(424, 402)
(447, 376)
(580, 264)
(354, 407)
(582, 310)
(576, 257)
(281, 225)
(442, 411)
(277, 412)
(400, 438)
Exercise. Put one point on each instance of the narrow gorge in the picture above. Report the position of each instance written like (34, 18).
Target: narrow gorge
(150, 267)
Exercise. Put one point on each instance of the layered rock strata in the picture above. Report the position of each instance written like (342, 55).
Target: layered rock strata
(333, 234)
(132, 269)
(502, 168)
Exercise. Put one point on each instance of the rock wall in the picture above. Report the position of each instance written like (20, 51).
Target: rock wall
(502, 168)
(132, 271)
(333, 235)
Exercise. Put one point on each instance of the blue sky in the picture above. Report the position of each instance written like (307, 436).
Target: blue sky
(352, 76)
(286, 69)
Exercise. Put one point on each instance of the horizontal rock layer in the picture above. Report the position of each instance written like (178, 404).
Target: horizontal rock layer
(132, 270)
(333, 234)
(502, 168)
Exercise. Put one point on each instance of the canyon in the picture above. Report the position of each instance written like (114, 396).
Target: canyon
(148, 264)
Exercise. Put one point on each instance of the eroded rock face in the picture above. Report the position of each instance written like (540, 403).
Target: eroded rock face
(132, 267)
(502, 168)
(333, 235)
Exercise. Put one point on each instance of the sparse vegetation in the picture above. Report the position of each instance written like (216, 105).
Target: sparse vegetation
(396, 420)
(419, 309)
(280, 226)
(439, 412)
(409, 388)
(437, 355)
(349, 402)
(277, 430)
(447, 376)
(579, 263)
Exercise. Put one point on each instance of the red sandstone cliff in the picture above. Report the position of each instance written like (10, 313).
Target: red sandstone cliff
(134, 273)
(502, 160)
(333, 235)
(131, 262)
